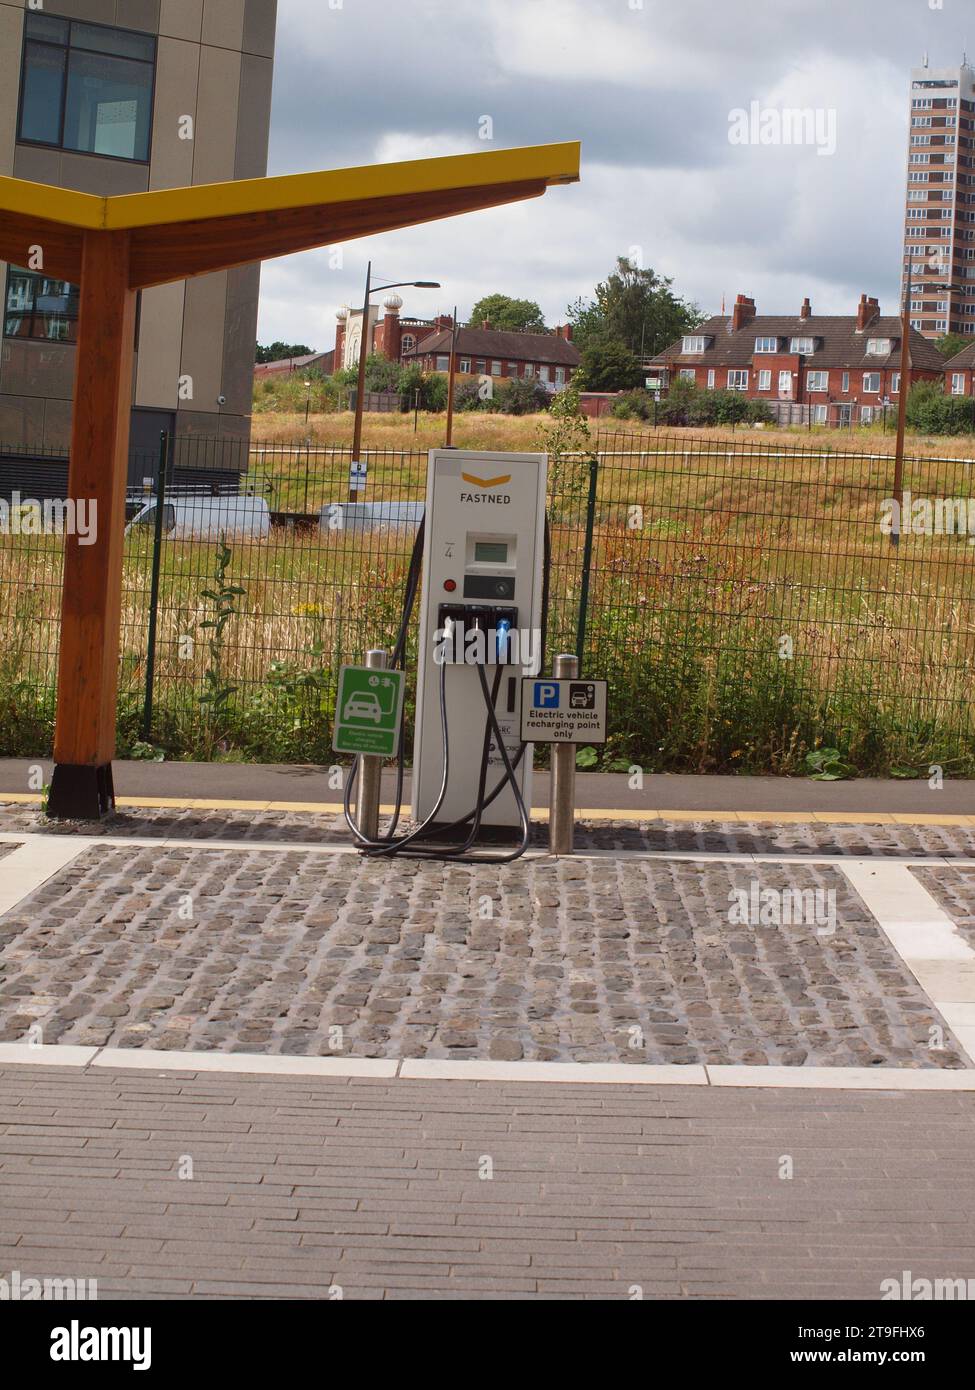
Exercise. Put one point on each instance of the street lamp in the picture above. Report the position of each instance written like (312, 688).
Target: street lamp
(355, 473)
(307, 402)
(904, 385)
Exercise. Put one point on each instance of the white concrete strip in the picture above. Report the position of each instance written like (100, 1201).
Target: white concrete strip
(612, 1073)
(275, 1064)
(846, 1078)
(290, 846)
(926, 939)
(39, 858)
(55, 1055)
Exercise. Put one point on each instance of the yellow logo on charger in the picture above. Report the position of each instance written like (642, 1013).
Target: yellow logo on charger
(486, 482)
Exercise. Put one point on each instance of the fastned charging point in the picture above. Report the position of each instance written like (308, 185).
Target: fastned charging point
(481, 632)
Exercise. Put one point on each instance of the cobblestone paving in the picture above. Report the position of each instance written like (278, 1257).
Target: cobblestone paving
(300, 1185)
(954, 891)
(681, 837)
(607, 959)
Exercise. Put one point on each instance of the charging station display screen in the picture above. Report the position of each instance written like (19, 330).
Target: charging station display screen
(490, 553)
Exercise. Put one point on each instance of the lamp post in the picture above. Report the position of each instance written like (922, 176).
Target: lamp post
(904, 385)
(307, 403)
(355, 475)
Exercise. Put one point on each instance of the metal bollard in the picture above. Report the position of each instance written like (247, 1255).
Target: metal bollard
(562, 812)
(369, 775)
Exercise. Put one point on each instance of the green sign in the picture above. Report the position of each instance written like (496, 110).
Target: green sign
(367, 714)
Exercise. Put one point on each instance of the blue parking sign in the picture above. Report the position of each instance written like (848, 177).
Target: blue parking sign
(546, 695)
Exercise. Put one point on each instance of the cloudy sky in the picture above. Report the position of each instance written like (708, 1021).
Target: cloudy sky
(647, 86)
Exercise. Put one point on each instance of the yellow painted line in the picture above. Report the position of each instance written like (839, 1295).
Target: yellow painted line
(549, 164)
(541, 813)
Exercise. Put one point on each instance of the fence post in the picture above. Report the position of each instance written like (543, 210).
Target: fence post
(587, 560)
(370, 768)
(157, 535)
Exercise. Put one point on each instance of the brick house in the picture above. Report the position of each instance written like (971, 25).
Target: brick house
(550, 358)
(960, 373)
(828, 369)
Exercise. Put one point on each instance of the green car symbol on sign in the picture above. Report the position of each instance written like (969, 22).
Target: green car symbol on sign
(364, 704)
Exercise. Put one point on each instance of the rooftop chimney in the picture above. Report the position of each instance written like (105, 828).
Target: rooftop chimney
(564, 330)
(743, 312)
(806, 311)
(867, 311)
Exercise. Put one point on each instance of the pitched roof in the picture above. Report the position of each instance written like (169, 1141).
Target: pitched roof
(841, 345)
(490, 342)
(293, 363)
(962, 361)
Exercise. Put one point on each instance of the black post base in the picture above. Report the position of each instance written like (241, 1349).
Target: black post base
(81, 793)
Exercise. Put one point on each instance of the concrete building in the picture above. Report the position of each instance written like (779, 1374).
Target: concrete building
(830, 369)
(939, 220)
(124, 96)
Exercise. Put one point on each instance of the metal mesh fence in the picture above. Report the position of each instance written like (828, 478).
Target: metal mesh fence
(744, 599)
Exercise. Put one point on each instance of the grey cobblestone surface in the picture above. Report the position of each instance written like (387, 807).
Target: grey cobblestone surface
(954, 891)
(606, 959)
(304, 1188)
(683, 837)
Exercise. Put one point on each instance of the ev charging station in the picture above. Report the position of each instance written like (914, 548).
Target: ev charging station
(482, 607)
(480, 557)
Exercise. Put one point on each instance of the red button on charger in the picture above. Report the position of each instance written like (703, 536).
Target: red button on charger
(450, 585)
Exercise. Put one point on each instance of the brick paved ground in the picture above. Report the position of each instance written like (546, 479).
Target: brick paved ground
(686, 837)
(300, 1186)
(606, 959)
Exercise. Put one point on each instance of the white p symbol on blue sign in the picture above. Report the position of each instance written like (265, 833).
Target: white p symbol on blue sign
(546, 696)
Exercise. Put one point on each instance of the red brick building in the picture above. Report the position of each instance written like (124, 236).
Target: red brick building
(550, 358)
(832, 369)
(960, 373)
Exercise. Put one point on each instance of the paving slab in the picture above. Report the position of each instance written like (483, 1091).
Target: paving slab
(500, 1190)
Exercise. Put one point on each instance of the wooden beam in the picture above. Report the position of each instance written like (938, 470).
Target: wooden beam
(60, 245)
(185, 249)
(84, 740)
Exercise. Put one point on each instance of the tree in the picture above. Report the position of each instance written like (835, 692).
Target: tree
(635, 307)
(507, 314)
(608, 365)
(277, 352)
(952, 344)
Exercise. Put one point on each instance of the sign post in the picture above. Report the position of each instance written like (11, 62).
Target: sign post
(367, 722)
(566, 711)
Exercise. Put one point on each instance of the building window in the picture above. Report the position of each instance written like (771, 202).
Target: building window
(687, 374)
(737, 379)
(481, 366)
(545, 374)
(693, 344)
(443, 363)
(87, 87)
(465, 365)
(39, 307)
(495, 368)
(817, 381)
(878, 347)
(785, 384)
(819, 413)
(846, 383)
(958, 383)
(871, 382)
(765, 379)
(866, 415)
(560, 376)
(802, 345)
(895, 383)
(710, 378)
(408, 344)
(766, 344)
(529, 370)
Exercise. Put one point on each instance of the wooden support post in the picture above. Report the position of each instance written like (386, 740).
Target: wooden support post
(84, 740)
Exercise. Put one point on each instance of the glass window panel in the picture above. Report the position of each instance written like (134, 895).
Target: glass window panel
(117, 41)
(40, 117)
(38, 306)
(108, 106)
(43, 27)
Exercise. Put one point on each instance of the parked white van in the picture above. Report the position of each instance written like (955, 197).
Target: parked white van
(207, 518)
